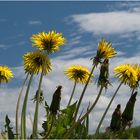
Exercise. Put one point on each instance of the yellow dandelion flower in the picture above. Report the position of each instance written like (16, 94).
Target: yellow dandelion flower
(78, 73)
(105, 50)
(48, 41)
(137, 68)
(35, 62)
(5, 74)
(127, 74)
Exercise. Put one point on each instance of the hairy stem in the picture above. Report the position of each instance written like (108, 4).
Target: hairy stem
(100, 123)
(17, 107)
(35, 123)
(132, 91)
(49, 131)
(24, 108)
(83, 92)
(72, 93)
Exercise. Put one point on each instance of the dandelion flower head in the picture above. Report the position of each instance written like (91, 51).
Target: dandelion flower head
(5, 74)
(105, 50)
(50, 41)
(126, 74)
(35, 62)
(78, 73)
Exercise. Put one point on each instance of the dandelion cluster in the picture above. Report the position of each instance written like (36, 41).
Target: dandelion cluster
(38, 61)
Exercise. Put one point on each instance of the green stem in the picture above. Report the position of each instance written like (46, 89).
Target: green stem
(24, 108)
(17, 107)
(97, 130)
(87, 113)
(87, 124)
(93, 105)
(87, 121)
(83, 92)
(72, 93)
(132, 91)
(49, 131)
(35, 123)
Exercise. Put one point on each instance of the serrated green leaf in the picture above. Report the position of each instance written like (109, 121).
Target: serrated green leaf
(69, 111)
(70, 108)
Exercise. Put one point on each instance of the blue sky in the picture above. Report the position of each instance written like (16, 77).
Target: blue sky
(19, 20)
(83, 24)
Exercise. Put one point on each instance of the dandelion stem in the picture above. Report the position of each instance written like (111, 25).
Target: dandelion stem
(49, 131)
(132, 91)
(18, 104)
(100, 123)
(72, 93)
(35, 123)
(93, 105)
(24, 108)
(86, 114)
(83, 92)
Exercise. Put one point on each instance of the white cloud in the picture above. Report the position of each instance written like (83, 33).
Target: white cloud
(108, 22)
(19, 72)
(35, 22)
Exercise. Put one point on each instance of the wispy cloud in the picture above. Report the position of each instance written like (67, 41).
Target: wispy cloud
(3, 20)
(75, 52)
(35, 22)
(74, 41)
(109, 22)
(6, 46)
(21, 43)
(129, 5)
(3, 46)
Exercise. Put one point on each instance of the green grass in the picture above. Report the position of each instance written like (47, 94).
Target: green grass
(131, 133)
